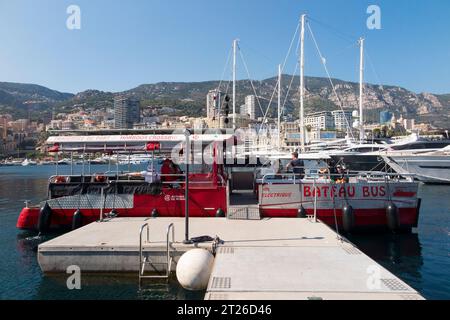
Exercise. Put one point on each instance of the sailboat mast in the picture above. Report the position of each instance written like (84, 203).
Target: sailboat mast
(234, 82)
(279, 107)
(361, 92)
(302, 82)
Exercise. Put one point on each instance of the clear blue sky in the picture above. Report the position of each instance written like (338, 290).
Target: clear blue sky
(122, 44)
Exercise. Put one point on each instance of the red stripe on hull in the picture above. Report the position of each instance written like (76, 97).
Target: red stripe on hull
(202, 203)
(205, 203)
(363, 217)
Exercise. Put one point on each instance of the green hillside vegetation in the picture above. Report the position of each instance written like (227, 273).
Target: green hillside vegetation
(189, 98)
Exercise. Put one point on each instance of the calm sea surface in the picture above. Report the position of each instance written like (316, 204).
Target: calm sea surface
(422, 259)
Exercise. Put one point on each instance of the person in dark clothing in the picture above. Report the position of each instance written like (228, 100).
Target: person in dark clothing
(342, 174)
(297, 166)
(332, 168)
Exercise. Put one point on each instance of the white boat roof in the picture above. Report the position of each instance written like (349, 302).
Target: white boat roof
(303, 156)
(367, 145)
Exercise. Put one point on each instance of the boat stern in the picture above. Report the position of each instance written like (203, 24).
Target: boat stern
(28, 218)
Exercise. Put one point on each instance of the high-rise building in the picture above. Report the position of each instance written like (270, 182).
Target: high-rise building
(127, 111)
(3, 127)
(342, 119)
(409, 124)
(213, 104)
(250, 106)
(243, 110)
(253, 111)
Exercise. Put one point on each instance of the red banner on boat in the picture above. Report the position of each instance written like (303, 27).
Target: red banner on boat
(152, 146)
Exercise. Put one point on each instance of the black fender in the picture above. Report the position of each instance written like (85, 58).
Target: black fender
(348, 218)
(220, 213)
(392, 217)
(301, 212)
(45, 217)
(77, 220)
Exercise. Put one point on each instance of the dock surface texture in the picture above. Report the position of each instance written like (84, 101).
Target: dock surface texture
(264, 259)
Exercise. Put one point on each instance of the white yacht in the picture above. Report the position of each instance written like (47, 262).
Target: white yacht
(369, 157)
(27, 162)
(428, 166)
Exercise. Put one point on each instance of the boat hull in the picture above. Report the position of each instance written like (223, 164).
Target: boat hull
(170, 203)
(426, 168)
(369, 202)
(327, 201)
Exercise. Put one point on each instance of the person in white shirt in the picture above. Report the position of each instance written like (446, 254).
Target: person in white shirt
(150, 175)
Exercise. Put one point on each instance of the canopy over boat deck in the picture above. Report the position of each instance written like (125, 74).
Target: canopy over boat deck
(131, 142)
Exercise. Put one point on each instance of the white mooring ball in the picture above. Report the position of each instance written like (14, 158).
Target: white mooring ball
(194, 269)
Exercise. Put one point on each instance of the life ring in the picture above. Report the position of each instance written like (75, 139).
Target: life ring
(100, 178)
(60, 179)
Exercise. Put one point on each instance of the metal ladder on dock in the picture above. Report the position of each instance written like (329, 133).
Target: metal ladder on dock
(146, 261)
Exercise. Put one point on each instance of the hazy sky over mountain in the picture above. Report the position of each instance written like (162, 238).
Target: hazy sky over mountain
(122, 44)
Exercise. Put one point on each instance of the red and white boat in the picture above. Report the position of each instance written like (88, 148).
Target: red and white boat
(75, 200)
(360, 201)
(350, 201)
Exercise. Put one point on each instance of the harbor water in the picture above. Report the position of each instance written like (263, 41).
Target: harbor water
(421, 259)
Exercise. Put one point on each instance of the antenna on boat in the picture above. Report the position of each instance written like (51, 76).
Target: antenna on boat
(361, 84)
(235, 43)
(302, 81)
(279, 107)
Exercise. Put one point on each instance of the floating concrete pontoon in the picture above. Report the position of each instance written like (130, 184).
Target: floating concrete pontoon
(258, 259)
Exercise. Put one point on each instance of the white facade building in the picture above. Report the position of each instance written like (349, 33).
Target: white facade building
(250, 106)
(409, 124)
(342, 119)
(55, 125)
(320, 120)
(251, 109)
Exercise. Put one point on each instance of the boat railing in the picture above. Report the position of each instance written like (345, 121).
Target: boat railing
(165, 179)
(296, 178)
(372, 174)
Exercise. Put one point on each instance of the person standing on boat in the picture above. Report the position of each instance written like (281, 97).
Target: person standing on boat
(150, 175)
(170, 173)
(297, 166)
